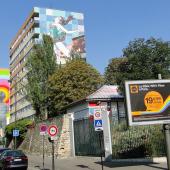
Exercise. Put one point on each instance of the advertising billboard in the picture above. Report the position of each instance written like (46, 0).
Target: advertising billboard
(4, 98)
(148, 102)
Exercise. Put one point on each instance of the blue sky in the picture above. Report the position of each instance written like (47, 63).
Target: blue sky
(109, 24)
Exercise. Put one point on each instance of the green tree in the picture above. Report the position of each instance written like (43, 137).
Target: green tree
(40, 65)
(142, 59)
(71, 82)
(114, 70)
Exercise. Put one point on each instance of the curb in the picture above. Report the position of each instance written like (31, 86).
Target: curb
(142, 160)
(133, 160)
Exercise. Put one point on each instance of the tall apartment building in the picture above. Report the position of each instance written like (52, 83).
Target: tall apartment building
(66, 29)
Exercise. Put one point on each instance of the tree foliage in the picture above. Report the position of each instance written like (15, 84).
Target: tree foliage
(71, 82)
(40, 65)
(22, 126)
(142, 59)
(115, 69)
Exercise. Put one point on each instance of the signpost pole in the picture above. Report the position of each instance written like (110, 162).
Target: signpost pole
(98, 125)
(53, 164)
(101, 148)
(52, 131)
(43, 130)
(43, 151)
(15, 134)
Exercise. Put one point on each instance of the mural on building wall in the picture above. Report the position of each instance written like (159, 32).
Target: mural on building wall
(67, 31)
(4, 97)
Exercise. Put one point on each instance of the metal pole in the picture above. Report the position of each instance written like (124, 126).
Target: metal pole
(166, 128)
(101, 154)
(15, 138)
(167, 138)
(53, 165)
(43, 152)
(15, 111)
(118, 114)
(159, 76)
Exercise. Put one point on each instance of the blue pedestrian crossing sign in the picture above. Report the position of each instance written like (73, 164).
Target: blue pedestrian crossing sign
(15, 132)
(98, 124)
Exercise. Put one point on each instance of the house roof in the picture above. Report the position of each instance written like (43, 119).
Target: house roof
(105, 92)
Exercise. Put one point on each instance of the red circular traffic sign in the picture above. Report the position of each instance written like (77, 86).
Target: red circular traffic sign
(43, 128)
(97, 114)
(52, 130)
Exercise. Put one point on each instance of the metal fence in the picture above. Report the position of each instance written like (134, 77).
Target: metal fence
(86, 139)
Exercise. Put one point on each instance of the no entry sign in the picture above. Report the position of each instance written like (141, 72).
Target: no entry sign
(53, 130)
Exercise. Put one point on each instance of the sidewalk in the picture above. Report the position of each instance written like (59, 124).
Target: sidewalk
(90, 163)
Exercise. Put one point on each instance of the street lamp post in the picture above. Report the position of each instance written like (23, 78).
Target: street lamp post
(15, 114)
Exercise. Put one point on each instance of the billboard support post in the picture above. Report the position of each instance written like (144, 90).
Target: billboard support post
(167, 137)
(166, 128)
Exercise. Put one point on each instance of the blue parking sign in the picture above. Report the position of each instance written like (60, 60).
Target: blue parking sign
(15, 132)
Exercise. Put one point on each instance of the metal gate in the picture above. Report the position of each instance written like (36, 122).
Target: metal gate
(86, 139)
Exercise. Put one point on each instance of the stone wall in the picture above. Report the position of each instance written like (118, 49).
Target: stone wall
(64, 147)
(33, 142)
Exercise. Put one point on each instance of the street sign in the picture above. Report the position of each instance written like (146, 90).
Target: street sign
(43, 129)
(97, 114)
(98, 124)
(54, 137)
(52, 130)
(15, 133)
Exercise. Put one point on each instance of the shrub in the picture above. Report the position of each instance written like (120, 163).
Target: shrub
(138, 141)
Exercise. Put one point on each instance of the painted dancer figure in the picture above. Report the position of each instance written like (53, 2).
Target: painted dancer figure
(58, 32)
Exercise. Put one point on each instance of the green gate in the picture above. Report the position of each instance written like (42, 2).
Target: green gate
(86, 139)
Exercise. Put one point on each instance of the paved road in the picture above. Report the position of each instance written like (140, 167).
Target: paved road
(89, 163)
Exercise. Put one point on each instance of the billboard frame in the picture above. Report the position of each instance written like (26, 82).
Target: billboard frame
(129, 104)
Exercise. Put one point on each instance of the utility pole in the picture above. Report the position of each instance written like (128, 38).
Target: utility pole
(15, 111)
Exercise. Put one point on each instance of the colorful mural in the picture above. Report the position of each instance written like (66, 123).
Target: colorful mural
(4, 97)
(66, 29)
